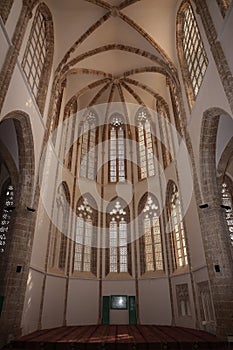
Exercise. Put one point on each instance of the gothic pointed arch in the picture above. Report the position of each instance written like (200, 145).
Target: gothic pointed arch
(118, 251)
(22, 223)
(60, 228)
(151, 250)
(175, 227)
(38, 55)
(85, 245)
(191, 51)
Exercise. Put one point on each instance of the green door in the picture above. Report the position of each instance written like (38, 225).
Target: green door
(105, 310)
(132, 310)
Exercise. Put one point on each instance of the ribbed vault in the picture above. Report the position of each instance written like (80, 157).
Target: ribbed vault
(113, 58)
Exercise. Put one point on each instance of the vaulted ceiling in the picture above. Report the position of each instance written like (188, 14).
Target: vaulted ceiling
(115, 50)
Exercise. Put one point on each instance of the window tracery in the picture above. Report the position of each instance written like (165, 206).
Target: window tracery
(117, 218)
(37, 60)
(84, 250)
(151, 241)
(178, 240)
(88, 147)
(117, 171)
(192, 54)
(60, 229)
(145, 145)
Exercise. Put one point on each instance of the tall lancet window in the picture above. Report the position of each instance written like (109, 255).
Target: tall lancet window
(151, 242)
(118, 250)
(178, 241)
(146, 156)
(38, 56)
(193, 58)
(88, 147)
(227, 201)
(84, 247)
(60, 229)
(117, 166)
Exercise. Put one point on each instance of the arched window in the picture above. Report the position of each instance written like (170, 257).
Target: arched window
(145, 146)
(165, 135)
(6, 207)
(177, 232)
(150, 243)
(223, 5)
(60, 229)
(68, 131)
(193, 58)
(227, 201)
(117, 171)
(37, 60)
(85, 235)
(118, 257)
(88, 147)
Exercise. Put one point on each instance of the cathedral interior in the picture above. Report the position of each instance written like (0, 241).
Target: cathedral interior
(116, 164)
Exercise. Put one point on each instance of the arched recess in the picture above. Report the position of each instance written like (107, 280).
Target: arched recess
(18, 249)
(213, 224)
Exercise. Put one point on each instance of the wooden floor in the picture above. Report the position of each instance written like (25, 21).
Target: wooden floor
(119, 337)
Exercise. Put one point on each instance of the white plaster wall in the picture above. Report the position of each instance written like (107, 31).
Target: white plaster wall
(119, 316)
(82, 305)
(40, 242)
(54, 298)
(19, 98)
(225, 133)
(31, 310)
(194, 237)
(118, 287)
(13, 17)
(154, 301)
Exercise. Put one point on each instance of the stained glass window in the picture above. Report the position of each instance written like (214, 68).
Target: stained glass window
(145, 144)
(84, 236)
(6, 216)
(152, 243)
(117, 150)
(118, 251)
(194, 51)
(178, 240)
(227, 201)
(88, 147)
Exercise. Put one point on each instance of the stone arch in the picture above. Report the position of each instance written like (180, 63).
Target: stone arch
(215, 241)
(208, 137)
(18, 251)
(26, 155)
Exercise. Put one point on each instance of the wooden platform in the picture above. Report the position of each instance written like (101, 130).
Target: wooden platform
(119, 337)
